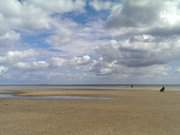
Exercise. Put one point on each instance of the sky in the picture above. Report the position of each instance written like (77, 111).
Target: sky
(89, 41)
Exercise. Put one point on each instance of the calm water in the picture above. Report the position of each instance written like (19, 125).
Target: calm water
(8, 92)
(11, 96)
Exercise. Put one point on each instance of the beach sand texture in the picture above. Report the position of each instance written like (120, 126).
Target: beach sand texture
(129, 112)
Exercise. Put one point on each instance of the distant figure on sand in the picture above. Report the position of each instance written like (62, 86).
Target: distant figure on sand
(132, 85)
(162, 89)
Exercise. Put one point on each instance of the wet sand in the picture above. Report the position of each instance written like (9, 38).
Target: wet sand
(129, 112)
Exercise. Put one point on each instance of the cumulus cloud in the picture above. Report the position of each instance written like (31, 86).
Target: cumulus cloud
(121, 71)
(14, 56)
(45, 40)
(10, 36)
(58, 6)
(22, 16)
(76, 39)
(35, 65)
(3, 70)
(57, 61)
(145, 13)
(134, 14)
(104, 5)
(138, 53)
(145, 39)
(81, 60)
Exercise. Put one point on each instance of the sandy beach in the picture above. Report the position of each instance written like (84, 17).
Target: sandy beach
(128, 112)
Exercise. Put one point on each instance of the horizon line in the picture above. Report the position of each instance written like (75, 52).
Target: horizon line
(125, 84)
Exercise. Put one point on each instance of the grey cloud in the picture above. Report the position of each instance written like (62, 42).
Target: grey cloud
(131, 57)
(158, 18)
(164, 32)
(135, 56)
(141, 45)
(135, 14)
(139, 57)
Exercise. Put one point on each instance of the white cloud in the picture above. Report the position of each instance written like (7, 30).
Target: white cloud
(76, 39)
(10, 36)
(35, 65)
(105, 71)
(3, 70)
(22, 16)
(23, 65)
(104, 5)
(83, 60)
(31, 15)
(14, 56)
(58, 6)
(57, 61)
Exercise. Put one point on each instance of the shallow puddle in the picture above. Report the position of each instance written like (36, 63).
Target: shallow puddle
(12, 96)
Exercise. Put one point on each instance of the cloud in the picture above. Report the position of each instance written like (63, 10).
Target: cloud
(144, 38)
(58, 6)
(3, 70)
(101, 67)
(35, 65)
(104, 5)
(76, 39)
(178, 69)
(57, 61)
(14, 56)
(86, 59)
(145, 14)
(138, 53)
(20, 54)
(121, 71)
(22, 16)
(74, 61)
(127, 40)
(10, 36)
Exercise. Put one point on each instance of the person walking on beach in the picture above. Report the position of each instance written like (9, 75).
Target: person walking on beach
(162, 89)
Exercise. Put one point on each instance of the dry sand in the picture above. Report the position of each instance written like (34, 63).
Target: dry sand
(130, 112)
